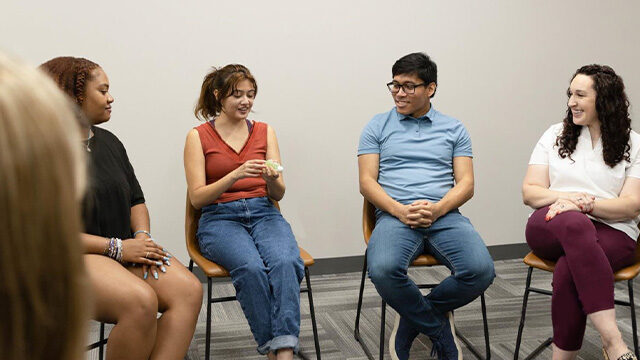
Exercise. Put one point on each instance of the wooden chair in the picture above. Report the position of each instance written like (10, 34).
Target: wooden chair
(100, 343)
(368, 223)
(626, 274)
(213, 270)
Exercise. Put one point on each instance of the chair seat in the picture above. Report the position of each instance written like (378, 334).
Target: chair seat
(212, 269)
(626, 273)
(425, 260)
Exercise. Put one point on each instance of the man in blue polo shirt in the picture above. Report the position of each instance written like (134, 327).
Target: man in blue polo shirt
(416, 167)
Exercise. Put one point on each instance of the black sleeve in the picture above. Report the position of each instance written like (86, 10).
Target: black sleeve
(137, 196)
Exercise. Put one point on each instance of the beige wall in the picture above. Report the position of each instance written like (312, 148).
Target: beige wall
(504, 67)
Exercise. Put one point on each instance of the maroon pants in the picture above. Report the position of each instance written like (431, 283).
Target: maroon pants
(586, 253)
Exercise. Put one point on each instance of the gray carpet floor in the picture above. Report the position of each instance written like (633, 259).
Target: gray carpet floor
(335, 298)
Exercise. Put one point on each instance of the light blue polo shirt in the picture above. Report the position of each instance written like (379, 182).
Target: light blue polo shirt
(416, 155)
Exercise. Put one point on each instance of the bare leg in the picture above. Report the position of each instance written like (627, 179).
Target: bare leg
(605, 322)
(285, 354)
(559, 354)
(179, 300)
(126, 301)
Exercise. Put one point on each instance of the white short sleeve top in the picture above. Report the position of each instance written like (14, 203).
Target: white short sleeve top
(587, 172)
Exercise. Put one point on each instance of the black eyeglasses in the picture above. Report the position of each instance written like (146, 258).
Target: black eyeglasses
(408, 88)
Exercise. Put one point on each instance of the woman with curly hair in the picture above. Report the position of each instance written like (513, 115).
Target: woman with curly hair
(132, 277)
(583, 180)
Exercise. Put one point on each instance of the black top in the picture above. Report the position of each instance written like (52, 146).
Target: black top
(113, 188)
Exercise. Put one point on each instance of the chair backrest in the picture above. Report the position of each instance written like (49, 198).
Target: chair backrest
(191, 220)
(368, 219)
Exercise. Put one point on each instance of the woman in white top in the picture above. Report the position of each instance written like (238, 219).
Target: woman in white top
(583, 180)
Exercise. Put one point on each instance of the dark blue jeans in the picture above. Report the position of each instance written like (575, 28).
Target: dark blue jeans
(251, 239)
(453, 241)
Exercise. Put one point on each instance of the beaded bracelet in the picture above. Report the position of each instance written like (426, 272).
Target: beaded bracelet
(114, 249)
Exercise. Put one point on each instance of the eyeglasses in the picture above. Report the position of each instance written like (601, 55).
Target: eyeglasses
(408, 88)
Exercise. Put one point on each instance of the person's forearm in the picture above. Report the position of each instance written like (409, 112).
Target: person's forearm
(618, 209)
(140, 219)
(459, 194)
(375, 194)
(207, 194)
(276, 189)
(537, 196)
(93, 244)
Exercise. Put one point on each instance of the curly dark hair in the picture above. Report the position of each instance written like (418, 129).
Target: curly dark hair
(612, 106)
(71, 74)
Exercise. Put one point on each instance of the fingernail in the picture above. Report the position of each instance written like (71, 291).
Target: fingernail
(546, 218)
(146, 275)
(159, 263)
(163, 249)
(169, 255)
(165, 258)
(163, 269)
(155, 275)
(168, 263)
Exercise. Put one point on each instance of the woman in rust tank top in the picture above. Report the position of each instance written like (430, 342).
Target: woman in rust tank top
(240, 228)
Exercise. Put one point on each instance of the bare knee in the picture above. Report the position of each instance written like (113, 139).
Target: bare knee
(139, 306)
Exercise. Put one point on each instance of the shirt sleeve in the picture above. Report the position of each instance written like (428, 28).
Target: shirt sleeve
(462, 146)
(540, 154)
(634, 169)
(137, 196)
(369, 140)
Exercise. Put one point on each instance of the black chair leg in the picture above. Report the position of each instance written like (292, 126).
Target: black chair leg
(383, 312)
(313, 314)
(101, 350)
(207, 340)
(191, 265)
(356, 331)
(522, 316)
(486, 328)
(634, 325)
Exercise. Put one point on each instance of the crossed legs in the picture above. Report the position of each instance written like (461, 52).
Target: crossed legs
(586, 254)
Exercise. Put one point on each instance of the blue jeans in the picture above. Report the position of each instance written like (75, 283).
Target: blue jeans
(453, 241)
(251, 239)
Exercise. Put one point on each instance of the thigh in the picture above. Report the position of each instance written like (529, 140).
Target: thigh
(393, 243)
(114, 288)
(274, 238)
(227, 243)
(454, 242)
(172, 286)
(619, 248)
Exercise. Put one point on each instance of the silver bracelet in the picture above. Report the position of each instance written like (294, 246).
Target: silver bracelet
(141, 231)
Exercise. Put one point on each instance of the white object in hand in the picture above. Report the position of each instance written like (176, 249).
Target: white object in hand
(274, 165)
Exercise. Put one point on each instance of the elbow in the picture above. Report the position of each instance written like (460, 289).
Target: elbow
(635, 211)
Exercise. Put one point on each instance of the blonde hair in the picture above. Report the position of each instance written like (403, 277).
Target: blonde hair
(42, 278)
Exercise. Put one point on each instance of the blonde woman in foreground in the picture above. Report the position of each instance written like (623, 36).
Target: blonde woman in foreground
(42, 281)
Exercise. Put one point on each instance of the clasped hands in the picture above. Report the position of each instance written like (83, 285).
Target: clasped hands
(143, 250)
(582, 202)
(419, 214)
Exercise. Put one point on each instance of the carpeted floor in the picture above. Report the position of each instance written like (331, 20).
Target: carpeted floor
(336, 296)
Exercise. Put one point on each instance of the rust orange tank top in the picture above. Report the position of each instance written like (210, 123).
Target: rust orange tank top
(220, 159)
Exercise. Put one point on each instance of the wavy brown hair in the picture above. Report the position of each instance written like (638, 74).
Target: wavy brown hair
(612, 106)
(224, 80)
(71, 74)
(43, 290)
